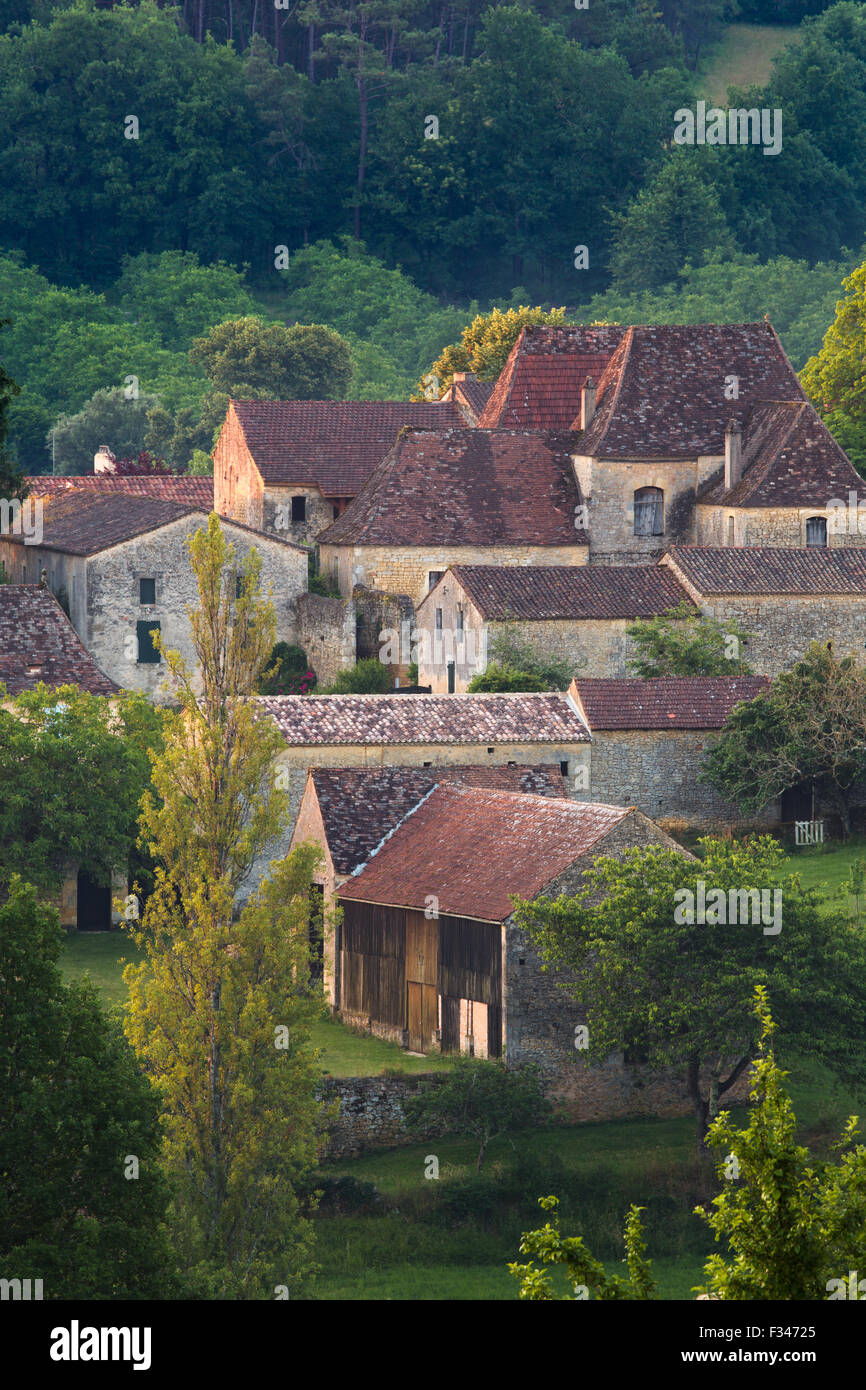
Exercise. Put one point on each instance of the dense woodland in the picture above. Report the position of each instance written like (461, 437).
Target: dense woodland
(163, 169)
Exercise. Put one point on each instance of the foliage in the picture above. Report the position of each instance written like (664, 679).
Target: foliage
(809, 726)
(367, 677)
(497, 678)
(834, 379)
(481, 1099)
(247, 358)
(677, 217)
(73, 773)
(679, 991)
(11, 482)
(287, 672)
(174, 299)
(74, 1109)
(516, 664)
(220, 1009)
(484, 346)
(683, 642)
(109, 417)
(584, 1273)
(790, 1225)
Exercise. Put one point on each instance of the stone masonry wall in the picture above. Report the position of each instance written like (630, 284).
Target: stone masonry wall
(371, 1112)
(380, 612)
(608, 490)
(772, 526)
(403, 569)
(657, 771)
(326, 631)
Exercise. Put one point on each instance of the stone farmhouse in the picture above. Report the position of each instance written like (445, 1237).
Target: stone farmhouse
(348, 812)
(649, 738)
(576, 614)
(431, 956)
(288, 468)
(461, 496)
(782, 597)
(39, 645)
(121, 563)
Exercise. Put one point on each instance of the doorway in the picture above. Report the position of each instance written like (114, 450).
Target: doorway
(94, 904)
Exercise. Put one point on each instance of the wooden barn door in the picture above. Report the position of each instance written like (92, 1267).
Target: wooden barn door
(422, 981)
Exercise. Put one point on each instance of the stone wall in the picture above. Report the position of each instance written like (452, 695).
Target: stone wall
(326, 631)
(371, 1112)
(277, 513)
(772, 526)
(238, 487)
(401, 569)
(657, 771)
(608, 490)
(379, 612)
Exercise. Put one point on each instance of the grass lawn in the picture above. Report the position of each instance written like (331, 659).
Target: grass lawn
(743, 58)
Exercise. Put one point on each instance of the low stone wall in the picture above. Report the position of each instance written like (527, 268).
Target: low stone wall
(326, 631)
(371, 1112)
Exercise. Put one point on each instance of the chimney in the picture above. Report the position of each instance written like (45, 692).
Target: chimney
(587, 403)
(103, 460)
(733, 454)
(460, 376)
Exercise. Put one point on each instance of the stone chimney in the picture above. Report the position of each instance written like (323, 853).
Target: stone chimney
(103, 460)
(587, 403)
(733, 454)
(461, 376)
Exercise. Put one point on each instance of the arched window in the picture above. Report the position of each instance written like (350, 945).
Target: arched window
(731, 540)
(816, 530)
(649, 511)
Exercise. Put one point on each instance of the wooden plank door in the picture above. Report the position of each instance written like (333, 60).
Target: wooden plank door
(414, 1010)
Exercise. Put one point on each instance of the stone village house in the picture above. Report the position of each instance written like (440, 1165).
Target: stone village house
(121, 563)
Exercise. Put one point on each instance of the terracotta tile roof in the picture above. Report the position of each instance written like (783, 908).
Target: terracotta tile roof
(539, 387)
(333, 444)
(662, 394)
(473, 394)
(360, 806)
(465, 487)
(471, 848)
(668, 702)
(790, 459)
(764, 570)
(573, 592)
(39, 643)
(194, 491)
(80, 521)
(404, 719)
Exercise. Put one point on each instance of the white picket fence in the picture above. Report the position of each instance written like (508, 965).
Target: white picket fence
(808, 832)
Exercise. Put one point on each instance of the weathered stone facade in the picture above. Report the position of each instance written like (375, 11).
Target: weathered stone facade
(774, 526)
(326, 631)
(608, 489)
(407, 569)
(371, 1114)
(385, 626)
(657, 771)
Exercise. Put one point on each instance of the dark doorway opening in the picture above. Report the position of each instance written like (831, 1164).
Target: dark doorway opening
(797, 803)
(94, 904)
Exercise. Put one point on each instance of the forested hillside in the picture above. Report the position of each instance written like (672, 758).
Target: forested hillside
(386, 167)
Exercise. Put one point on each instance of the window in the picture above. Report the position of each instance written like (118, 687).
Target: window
(730, 531)
(563, 767)
(459, 625)
(147, 653)
(147, 591)
(451, 677)
(649, 511)
(816, 530)
(438, 619)
(433, 578)
(299, 509)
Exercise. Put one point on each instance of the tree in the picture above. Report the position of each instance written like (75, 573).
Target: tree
(83, 1200)
(481, 1100)
(174, 299)
(516, 664)
(664, 951)
(496, 679)
(366, 677)
(834, 378)
(287, 673)
(791, 1227)
(675, 218)
(220, 1008)
(73, 771)
(110, 417)
(682, 642)
(810, 726)
(247, 357)
(484, 346)
(11, 480)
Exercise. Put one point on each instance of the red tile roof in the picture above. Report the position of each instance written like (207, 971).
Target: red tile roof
(410, 719)
(662, 394)
(193, 491)
(764, 570)
(465, 487)
(539, 387)
(471, 848)
(790, 459)
(360, 806)
(668, 702)
(39, 643)
(569, 592)
(333, 444)
(472, 394)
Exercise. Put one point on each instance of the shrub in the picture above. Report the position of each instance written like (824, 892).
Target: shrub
(367, 677)
(287, 672)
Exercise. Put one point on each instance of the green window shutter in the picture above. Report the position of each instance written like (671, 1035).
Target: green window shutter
(147, 653)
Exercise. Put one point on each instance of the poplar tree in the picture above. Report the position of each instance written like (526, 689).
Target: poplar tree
(220, 1007)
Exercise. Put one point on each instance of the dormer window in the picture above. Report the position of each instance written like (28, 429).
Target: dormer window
(816, 531)
(649, 511)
